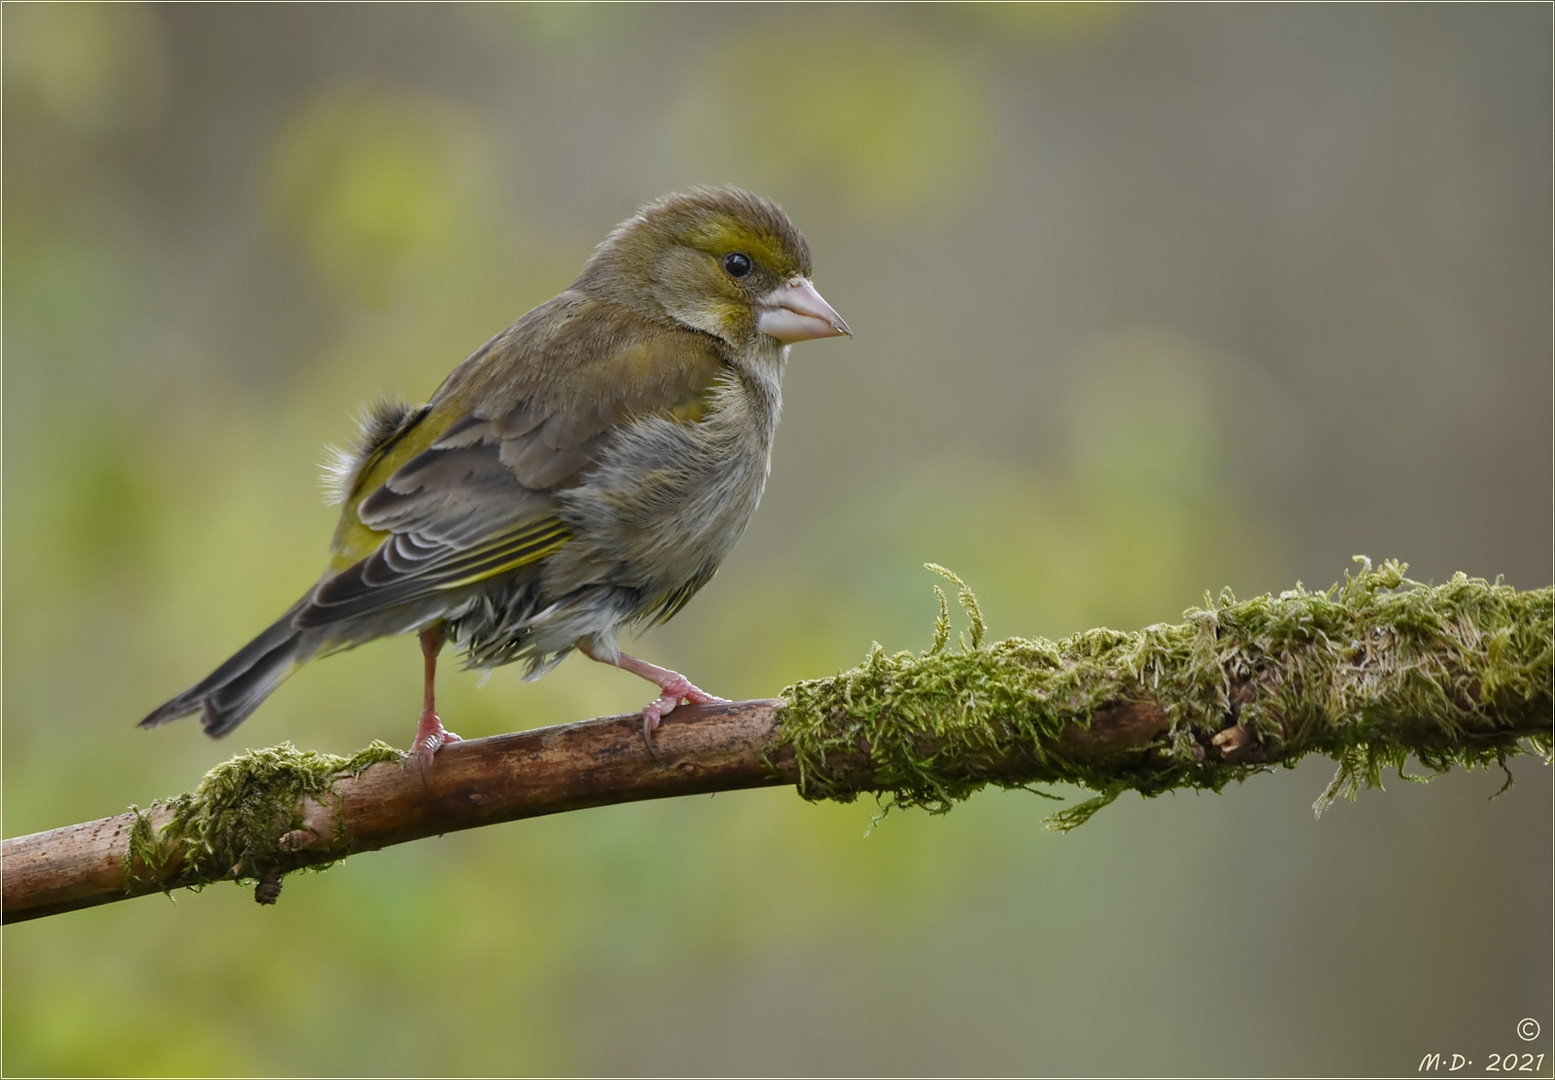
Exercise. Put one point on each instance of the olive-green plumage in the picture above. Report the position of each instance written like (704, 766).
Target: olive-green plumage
(585, 469)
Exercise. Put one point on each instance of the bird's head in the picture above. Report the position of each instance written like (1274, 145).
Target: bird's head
(720, 260)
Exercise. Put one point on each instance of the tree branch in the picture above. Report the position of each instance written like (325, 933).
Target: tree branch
(1368, 673)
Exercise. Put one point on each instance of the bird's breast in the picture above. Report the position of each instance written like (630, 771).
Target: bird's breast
(669, 498)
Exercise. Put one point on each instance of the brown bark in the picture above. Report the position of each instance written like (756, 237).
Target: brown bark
(1368, 673)
(477, 782)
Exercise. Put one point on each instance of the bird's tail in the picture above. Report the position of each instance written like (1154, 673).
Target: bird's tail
(226, 696)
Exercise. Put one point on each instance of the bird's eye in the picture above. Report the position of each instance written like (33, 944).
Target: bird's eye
(737, 263)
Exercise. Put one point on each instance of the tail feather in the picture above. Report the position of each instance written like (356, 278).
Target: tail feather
(226, 696)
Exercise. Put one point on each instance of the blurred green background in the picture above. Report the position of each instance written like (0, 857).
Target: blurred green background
(1148, 300)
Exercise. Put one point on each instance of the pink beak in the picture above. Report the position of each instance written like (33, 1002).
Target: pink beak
(795, 312)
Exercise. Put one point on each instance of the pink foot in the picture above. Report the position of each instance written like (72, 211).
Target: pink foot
(675, 688)
(430, 737)
(677, 691)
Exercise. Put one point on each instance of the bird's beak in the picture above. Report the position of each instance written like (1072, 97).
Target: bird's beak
(795, 312)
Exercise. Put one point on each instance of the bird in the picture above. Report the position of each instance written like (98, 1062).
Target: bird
(582, 473)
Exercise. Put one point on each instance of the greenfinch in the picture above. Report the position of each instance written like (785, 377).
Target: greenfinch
(584, 471)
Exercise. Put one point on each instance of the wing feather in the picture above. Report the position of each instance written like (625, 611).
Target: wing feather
(466, 493)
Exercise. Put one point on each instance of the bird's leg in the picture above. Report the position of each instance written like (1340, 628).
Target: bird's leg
(430, 733)
(677, 689)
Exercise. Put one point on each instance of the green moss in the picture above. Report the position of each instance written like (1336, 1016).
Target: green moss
(1369, 672)
(229, 828)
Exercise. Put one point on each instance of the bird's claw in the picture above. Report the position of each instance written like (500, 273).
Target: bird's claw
(679, 691)
(430, 737)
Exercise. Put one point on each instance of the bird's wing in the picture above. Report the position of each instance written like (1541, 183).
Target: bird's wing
(466, 492)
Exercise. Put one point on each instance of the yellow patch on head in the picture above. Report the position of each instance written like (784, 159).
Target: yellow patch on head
(721, 236)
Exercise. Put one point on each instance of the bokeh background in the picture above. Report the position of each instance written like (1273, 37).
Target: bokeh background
(1148, 301)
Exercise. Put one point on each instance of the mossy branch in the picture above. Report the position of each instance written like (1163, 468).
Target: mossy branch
(1370, 672)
